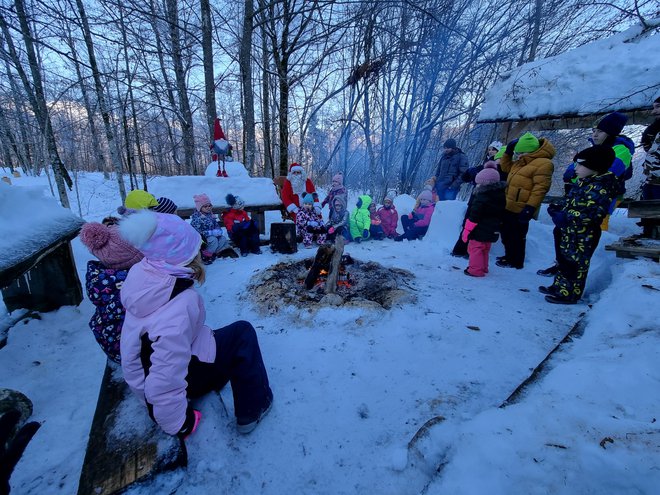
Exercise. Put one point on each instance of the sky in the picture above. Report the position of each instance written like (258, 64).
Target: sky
(354, 387)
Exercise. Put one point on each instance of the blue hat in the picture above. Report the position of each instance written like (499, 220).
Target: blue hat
(308, 198)
(612, 123)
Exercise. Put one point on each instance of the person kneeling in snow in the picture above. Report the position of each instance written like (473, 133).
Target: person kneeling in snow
(309, 223)
(243, 231)
(169, 356)
(416, 223)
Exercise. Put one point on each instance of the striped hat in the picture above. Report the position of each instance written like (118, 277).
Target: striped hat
(165, 205)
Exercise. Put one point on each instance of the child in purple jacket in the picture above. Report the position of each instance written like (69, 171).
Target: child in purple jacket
(168, 354)
(104, 279)
(416, 224)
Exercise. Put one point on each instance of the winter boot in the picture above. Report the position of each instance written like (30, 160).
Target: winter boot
(224, 173)
(549, 272)
(247, 425)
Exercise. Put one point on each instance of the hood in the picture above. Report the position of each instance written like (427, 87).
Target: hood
(493, 186)
(366, 201)
(146, 289)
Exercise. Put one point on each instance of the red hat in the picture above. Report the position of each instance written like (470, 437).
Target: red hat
(217, 130)
(296, 166)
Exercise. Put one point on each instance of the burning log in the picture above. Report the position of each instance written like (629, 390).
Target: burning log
(331, 281)
(321, 262)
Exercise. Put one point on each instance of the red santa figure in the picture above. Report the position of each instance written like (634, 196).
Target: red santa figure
(219, 149)
(295, 185)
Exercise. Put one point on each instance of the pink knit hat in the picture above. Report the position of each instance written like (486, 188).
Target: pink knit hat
(338, 178)
(201, 200)
(106, 244)
(161, 237)
(426, 194)
(488, 175)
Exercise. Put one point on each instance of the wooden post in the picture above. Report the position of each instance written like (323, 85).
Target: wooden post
(333, 273)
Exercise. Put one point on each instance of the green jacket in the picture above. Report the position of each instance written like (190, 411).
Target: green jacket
(361, 218)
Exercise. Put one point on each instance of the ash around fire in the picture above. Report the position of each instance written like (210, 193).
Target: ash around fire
(359, 284)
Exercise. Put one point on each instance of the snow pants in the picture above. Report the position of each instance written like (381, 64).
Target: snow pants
(576, 246)
(246, 237)
(514, 238)
(478, 251)
(410, 231)
(238, 361)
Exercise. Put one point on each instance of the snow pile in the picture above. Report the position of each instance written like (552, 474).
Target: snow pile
(616, 73)
(30, 222)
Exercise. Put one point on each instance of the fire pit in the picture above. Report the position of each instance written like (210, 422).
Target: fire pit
(359, 284)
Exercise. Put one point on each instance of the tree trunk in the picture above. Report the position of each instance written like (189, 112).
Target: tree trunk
(245, 63)
(269, 163)
(209, 77)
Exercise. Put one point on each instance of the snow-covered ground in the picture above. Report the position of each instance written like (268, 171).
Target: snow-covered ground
(353, 386)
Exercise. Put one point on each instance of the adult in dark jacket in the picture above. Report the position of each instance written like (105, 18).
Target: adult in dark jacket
(450, 168)
(483, 220)
(651, 166)
(528, 163)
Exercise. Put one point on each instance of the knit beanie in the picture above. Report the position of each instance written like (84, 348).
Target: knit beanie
(496, 144)
(487, 176)
(138, 199)
(165, 205)
(527, 143)
(450, 143)
(164, 238)
(612, 123)
(338, 178)
(235, 202)
(308, 198)
(500, 153)
(106, 244)
(201, 200)
(425, 194)
(391, 195)
(598, 158)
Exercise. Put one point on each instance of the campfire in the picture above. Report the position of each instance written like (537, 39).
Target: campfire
(331, 278)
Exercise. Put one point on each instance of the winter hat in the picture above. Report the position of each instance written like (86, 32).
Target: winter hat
(390, 195)
(496, 144)
(490, 164)
(487, 176)
(296, 167)
(598, 158)
(612, 123)
(234, 201)
(201, 200)
(165, 205)
(425, 194)
(527, 143)
(140, 200)
(500, 153)
(308, 198)
(165, 238)
(106, 244)
(450, 143)
(338, 178)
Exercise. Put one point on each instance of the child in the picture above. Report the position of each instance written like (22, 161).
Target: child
(389, 217)
(168, 354)
(338, 222)
(376, 229)
(104, 279)
(483, 219)
(579, 219)
(337, 189)
(309, 222)
(416, 224)
(360, 219)
(243, 231)
(205, 222)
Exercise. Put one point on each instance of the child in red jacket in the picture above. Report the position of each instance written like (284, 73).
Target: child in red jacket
(389, 217)
(243, 231)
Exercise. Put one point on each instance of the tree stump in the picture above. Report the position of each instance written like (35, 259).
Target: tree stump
(283, 238)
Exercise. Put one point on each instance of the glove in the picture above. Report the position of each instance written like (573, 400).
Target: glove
(313, 223)
(216, 232)
(569, 174)
(510, 146)
(193, 417)
(365, 233)
(559, 218)
(526, 214)
(469, 227)
(331, 230)
(553, 208)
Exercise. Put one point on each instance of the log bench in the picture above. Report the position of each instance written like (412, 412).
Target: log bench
(638, 245)
(257, 212)
(125, 447)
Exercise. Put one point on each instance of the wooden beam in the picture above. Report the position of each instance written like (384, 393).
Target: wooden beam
(566, 121)
(648, 208)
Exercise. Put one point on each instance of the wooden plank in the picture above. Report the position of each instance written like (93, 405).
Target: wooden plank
(648, 208)
(639, 116)
(125, 447)
(627, 250)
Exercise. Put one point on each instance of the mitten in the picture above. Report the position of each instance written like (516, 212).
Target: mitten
(216, 232)
(365, 233)
(193, 417)
(313, 223)
(559, 218)
(526, 214)
(331, 230)
(469, 227)
(569, 174)
(510, 146)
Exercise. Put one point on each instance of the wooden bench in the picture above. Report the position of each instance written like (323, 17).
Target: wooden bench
(257, 212)
(638, 245)
(46, 279)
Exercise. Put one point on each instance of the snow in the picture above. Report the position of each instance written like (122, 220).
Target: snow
(353, 386)
(615, 73)
(30, 222)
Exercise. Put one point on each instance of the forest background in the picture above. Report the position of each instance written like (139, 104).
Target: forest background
(369, 88)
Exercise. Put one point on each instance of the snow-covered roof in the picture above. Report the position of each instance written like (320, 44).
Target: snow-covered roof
(621, 72)
(30, 222)
(252, 190)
